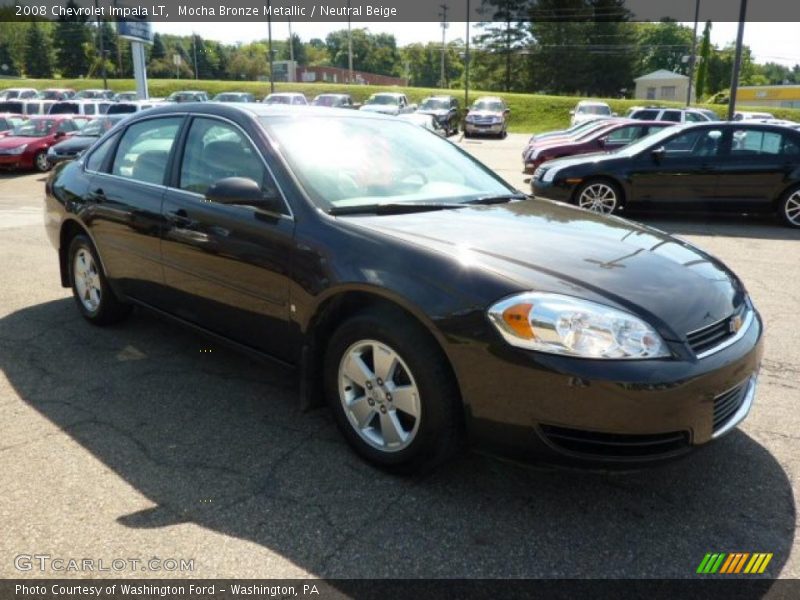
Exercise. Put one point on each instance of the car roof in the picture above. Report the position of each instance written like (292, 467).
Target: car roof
(592, 103)
(285, 94)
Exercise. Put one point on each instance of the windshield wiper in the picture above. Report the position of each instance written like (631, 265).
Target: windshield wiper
(498, 199)
(392, 208)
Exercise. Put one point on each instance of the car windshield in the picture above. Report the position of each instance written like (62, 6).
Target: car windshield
(490, 105)
(383, 99)
(594, 109)
(435, 104)
(35, 128)
(352, 162)
(652, 140)
(278, 100)
(325, 100)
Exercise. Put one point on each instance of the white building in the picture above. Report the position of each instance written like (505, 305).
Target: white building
(663, 85)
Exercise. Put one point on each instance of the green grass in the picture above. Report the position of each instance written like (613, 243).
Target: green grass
(530, 113)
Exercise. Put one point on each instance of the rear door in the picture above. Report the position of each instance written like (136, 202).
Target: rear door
(125, 195)
(227, 266)
(756, 168)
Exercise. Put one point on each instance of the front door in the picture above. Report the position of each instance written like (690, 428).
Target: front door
(227, 266)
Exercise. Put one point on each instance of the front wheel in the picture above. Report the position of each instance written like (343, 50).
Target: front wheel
(40, 162)
(790, 207)
(391, 392)
(95, 299)
(599, 196)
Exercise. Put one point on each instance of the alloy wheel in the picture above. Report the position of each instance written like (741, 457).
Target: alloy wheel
(41, 162)
(379, 395)
(791, 209)
(598, 197)
(87, 280)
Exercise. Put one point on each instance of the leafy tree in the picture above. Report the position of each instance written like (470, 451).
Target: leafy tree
(37, 53)
(371, 53)
(423, 63)
(504, 32)
(8, 66)
(299, 49)
(70, 37)
(158, 50)
(663, 45)
(702, 69)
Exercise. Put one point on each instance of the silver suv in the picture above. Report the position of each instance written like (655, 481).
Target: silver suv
(675, 115)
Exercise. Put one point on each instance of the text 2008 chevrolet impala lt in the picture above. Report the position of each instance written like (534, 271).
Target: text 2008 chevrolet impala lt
(422, 296)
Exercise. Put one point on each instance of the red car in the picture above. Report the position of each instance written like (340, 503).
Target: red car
(8, 121)
(26, 146)
(604, 139)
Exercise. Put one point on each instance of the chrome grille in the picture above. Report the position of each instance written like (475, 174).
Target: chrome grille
(704, 341)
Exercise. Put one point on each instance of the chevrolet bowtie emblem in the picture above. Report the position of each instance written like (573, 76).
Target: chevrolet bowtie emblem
(736, 323)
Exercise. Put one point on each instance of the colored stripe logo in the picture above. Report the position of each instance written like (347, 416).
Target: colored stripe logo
(734, 563)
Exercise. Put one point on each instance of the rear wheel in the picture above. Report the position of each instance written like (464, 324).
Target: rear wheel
(95, 299)
(599, 196)
(391, 392)
(789, 207)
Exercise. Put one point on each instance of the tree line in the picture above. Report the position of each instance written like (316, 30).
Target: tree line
(522, 46)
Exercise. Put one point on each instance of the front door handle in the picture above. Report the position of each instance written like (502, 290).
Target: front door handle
(180, 218)
(97, 195)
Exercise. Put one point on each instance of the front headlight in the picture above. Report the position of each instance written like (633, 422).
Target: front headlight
(565, 325)
(17, 150)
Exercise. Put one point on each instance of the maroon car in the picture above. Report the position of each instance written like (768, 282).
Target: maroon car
(26, 146)
(612, 137)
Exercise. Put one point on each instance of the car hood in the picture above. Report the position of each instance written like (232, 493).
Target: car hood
(436, 112)
(549, 246)
(75, 144)
(386, 109)
(12, 141)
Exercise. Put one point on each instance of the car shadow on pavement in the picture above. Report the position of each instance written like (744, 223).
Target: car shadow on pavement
(212, 438)
(766, 226)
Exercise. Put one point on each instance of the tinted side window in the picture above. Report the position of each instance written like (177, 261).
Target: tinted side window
(645, 115)
(98, 155)
(694, 117)
(216, 150)
(88, 109)
(705, 142)
(671, 115)
(144, 150)
(624, 135)
(756, 142)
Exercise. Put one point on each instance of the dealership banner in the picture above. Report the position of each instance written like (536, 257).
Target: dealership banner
(395, 10)
(739, 588)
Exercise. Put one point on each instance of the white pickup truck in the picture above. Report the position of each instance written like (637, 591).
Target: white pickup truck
(388, 103)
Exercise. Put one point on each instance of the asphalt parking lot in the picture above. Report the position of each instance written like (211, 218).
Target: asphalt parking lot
(145, 440)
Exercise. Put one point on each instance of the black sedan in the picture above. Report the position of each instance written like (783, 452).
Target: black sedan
(743, 167)
(445, 110)
(415, 291)
(73, 146)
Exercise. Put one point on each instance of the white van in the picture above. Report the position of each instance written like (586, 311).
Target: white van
(89, 108)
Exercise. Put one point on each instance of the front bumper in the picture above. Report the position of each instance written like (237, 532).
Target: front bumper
(14, 161)
(553, 190)
(482, 128)
(609, 413)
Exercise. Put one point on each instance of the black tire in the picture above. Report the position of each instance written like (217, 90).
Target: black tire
(617, 191)
(109, 309)
(438, 436)
(789, 207)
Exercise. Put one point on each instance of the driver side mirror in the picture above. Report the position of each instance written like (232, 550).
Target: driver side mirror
(242, 191)
(602, 142)
(658, 153)
(60, 134)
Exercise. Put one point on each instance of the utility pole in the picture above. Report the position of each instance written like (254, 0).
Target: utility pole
(445, 25)
(293, 71)
(466, 65)
(693, 57)
(349, 45)
(737, 61)
(194, 53)
(102, 46)
(269, 47)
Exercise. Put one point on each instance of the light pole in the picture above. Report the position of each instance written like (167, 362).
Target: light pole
(693, 57)
(349, 45)
(102, 46)
(737, 61)
(269, 47)
(466, 65)
(443, 82)
(194, 53)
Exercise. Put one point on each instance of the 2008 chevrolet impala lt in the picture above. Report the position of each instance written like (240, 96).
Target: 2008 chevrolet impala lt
(424, 298)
